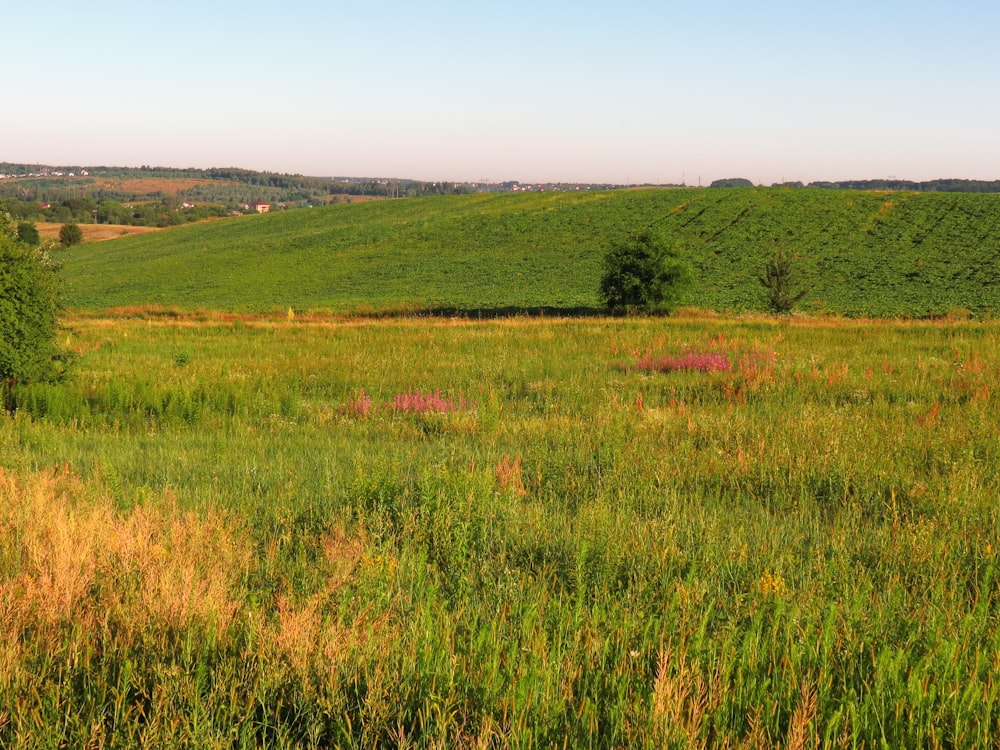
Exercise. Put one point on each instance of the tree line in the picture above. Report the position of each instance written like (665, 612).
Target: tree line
(927, 186)
(166, 211)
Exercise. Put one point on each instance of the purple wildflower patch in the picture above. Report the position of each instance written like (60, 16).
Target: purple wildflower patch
(743, 361)
(423, 403)
(692, 360)
(358, 407)
(410, 402)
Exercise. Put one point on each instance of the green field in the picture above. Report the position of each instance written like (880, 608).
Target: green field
(239, 524)
(862, 253)
(684, 532)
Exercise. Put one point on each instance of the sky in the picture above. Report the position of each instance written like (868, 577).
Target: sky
(626, 92)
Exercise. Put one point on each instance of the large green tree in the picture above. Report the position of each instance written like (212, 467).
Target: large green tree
(644, 274)
(29, 309)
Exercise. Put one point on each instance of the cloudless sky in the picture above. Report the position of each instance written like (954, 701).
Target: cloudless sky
(620, 92)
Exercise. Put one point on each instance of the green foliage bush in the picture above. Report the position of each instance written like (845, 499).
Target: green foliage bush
(29, 305)
(643, 274)
(27, 233)
(70, 234)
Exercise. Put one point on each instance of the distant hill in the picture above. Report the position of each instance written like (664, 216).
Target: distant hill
(862, 253)
(231, 186)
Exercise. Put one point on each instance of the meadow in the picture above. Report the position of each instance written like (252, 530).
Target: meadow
(698, 531)
(860, 254)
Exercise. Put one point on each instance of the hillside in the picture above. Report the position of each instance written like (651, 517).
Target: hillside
(864, 253)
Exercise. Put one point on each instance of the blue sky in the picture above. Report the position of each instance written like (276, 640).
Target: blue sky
(573, 91)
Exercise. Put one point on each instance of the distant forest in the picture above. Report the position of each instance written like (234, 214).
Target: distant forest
(930, 186)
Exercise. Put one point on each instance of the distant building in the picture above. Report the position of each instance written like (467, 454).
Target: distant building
(260, 207)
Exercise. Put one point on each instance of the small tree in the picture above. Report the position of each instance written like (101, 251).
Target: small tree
(70, 234)
(29, 308)
(643, 274)
(781, 279)
(27, 233)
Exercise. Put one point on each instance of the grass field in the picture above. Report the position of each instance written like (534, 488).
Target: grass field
(93, 232)
(689, 532)
(861, 254)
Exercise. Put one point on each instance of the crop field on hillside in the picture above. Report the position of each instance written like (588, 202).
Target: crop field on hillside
(860, 254)
(684, 532)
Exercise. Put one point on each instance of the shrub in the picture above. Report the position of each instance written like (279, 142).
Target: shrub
(643, 274)
(29, 306)
(70, 234)
(27, 233)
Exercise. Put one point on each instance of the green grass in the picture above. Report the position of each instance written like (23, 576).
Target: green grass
(861, 253)
(799, 548)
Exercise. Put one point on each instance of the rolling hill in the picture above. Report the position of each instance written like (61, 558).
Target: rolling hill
(863, 253)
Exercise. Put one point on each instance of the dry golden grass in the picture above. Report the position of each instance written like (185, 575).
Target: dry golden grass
(296, 634)
(801, 733)
(680, 701)
(309, 636)
(93, 232)
(684, 697)
(508, 475)
(70, 558)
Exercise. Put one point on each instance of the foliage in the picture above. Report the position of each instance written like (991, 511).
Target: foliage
(780, 278)
(29, 307)
(596, 556)
(643, 274)
(27, 233)
(70, 234)
(732, 182)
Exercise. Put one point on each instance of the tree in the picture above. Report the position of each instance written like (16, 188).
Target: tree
(113, 212)
(643, 274)
(29, 307)
(732, 182)
(27, 233)
(70, 234)
(781, 279)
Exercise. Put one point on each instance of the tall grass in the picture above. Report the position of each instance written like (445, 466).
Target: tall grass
(797, 549)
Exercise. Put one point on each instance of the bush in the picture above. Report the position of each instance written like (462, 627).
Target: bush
(27, 233)
(29, 307)
(70, 234)
(643, 274)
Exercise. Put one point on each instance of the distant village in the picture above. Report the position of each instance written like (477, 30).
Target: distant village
(43, 172)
